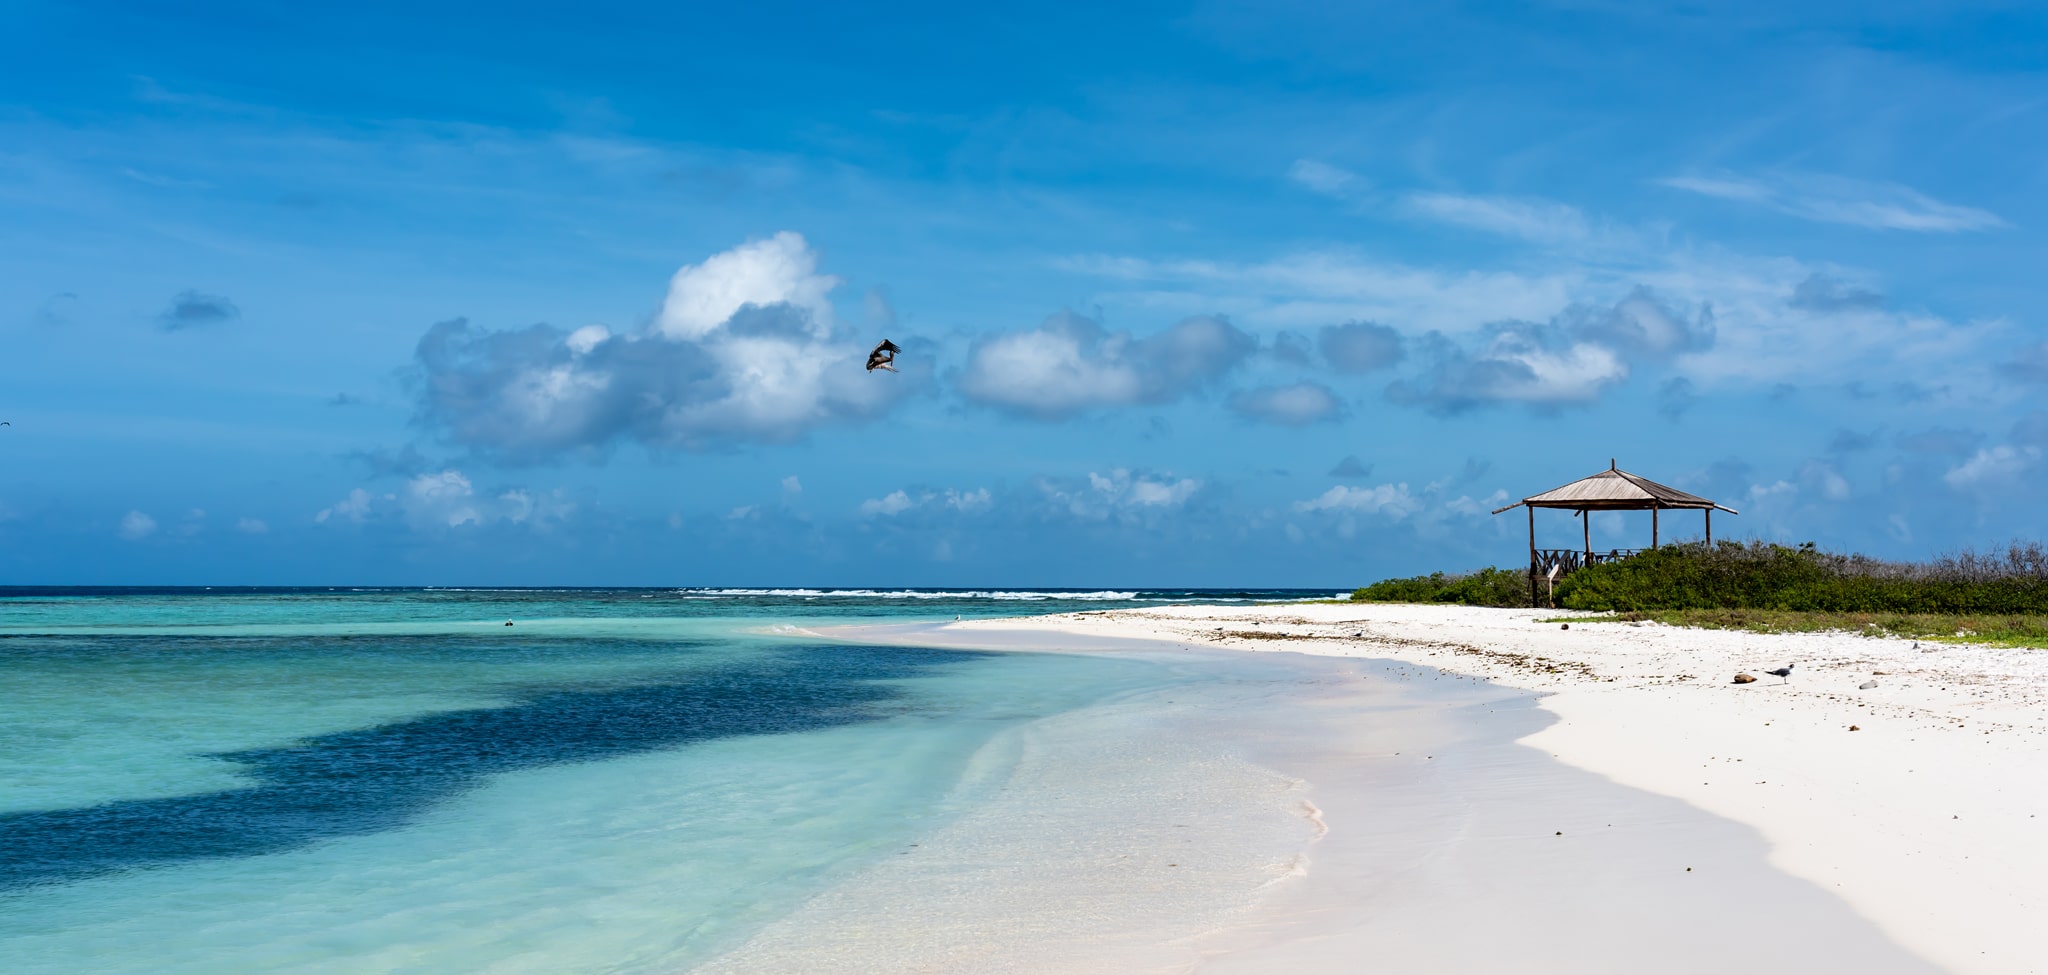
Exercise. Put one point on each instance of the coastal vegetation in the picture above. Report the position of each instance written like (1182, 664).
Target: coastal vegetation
(1998, 596)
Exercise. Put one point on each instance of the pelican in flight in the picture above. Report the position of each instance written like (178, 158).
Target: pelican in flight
(883, 356)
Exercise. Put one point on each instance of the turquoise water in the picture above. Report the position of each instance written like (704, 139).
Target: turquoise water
(395, 780)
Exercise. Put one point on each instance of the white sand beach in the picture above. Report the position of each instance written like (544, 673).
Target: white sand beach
(1626, 807)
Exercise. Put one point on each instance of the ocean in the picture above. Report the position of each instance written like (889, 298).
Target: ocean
(622, 781)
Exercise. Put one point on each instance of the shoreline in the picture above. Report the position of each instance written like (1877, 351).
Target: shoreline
(1521, 837)
(1931, 819)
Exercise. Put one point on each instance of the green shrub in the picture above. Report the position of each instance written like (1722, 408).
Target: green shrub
(1756, 575)
(1486, 587)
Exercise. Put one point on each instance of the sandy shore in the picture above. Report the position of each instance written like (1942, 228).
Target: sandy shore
(1929, 819)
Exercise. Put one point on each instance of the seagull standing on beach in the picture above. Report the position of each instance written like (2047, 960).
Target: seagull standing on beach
(1784, 674)
(883, 357)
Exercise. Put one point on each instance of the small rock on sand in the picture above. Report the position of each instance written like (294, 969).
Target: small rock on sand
(1744, 679)
(1866, 685)
(1854, 728)
(1564, 626)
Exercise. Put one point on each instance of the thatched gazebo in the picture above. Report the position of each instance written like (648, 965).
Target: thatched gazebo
(1613, 489)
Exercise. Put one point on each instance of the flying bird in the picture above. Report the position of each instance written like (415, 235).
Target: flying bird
(1783, 673)
(883, 356)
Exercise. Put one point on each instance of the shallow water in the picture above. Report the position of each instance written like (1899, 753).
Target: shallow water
(624, 781)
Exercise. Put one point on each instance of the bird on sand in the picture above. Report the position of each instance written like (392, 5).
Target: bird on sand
(883, 357)
(1783, 674)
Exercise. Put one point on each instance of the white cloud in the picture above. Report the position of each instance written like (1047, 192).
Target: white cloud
(2002, 464)
(779, 270)
(446, 500)
(1835, 199)
(1392, 500)
(1823, 479)
(1542, 221)
(893, 503)
(354, 508)
(1720, 319)
(136, 526)
(1320, 176)
(742, 350)
(1474, 508)
(251, 526)
(1069, 365)
(968, 501)
(791, 487)
(1119, 493)
(897, 502)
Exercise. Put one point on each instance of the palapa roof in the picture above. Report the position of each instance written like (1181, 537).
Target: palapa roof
(1615, 489)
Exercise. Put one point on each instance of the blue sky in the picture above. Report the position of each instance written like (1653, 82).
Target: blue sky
(1209, 294)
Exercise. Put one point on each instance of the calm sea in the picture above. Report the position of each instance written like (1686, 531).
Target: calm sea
(394, 780)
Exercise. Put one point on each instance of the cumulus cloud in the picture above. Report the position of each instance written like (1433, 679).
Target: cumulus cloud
(1834, 199)
(2002, 465)
(893, 503)
(1392, 500)
(447, 499)
(251, 526)
(779, 270)
(136, 526)
(1569, 360)
(897, 502)
(191, 309)
(1528, 364)
(742, 350)
(1295, 405)
(1822, 479)
(1359, 346)
(1120, 494)
(1069, 365)
(1642, 325)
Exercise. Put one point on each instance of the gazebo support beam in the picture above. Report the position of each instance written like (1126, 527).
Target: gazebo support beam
(1710, 527)
(1653, 528)
(1586, 522)
(1532, 557)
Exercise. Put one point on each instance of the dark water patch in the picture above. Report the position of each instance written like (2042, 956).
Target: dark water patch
(381, 778)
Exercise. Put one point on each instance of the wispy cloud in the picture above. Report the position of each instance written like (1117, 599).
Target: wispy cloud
(1541, 221)
(1322, 177)
(136, 526)
(1836, 199)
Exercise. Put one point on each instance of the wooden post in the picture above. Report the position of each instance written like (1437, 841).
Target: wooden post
(1586, 519)
(1532, 557)
(1710, 528)
(1653, 527)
